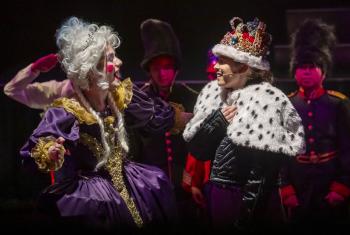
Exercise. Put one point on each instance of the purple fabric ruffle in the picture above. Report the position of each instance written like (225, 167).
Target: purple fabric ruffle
(97, 199)
(83, 193)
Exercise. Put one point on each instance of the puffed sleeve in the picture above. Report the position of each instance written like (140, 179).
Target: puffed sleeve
(55, 123)
(151, 114)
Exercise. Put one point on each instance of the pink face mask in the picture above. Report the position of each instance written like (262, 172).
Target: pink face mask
(167, 76)
(162, 70)
(309, 76)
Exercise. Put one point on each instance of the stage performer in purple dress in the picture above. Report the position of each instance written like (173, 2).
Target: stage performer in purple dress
(83, 139)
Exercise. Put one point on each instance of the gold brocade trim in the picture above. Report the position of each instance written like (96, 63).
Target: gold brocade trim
(114, 167)
(122, 94)
(109, 120)
(179, 124)
(92, 144)
(73, 106)
(128, 90)
(40, 153)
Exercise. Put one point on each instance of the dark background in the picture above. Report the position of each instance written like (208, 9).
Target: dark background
(27, 33)
(28, 27)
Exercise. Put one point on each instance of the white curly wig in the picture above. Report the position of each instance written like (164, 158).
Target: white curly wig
(81, 45)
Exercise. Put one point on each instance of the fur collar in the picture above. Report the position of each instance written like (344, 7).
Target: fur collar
(265, 119)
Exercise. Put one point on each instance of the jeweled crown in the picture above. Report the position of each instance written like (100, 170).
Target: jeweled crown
(251, 37)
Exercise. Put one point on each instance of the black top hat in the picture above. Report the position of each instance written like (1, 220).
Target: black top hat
(158, 39)
(312, 43)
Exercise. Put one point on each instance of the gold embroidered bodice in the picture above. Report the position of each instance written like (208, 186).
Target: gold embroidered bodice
(114, 164)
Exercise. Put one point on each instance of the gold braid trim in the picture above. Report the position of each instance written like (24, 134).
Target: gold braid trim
(114, 167)
(109, 120)
(179, 124)
(73, 106)
(122, 93)
(92, 144)
(40, 153)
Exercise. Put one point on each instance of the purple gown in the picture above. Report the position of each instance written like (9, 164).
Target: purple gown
(82, 192)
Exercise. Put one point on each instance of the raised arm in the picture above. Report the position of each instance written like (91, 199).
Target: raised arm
(37, 95)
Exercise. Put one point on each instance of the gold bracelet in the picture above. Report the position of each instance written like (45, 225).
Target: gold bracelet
(40, 153)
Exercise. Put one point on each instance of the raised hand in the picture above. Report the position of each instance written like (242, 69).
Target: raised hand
(45, 64)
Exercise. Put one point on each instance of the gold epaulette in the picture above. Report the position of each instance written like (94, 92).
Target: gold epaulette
(337, 94)
(73, 106)
(290, 95)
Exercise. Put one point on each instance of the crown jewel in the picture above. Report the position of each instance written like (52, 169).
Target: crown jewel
(250, 37)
